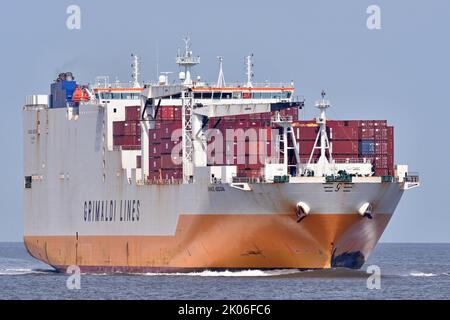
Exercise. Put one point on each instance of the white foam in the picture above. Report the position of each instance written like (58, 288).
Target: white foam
(422, 274)
(21, 271)
(227, 273)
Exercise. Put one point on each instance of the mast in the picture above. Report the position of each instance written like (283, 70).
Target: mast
(136, 70)
(187, 61)
(221, 79)
(323, 162)
(249, 73)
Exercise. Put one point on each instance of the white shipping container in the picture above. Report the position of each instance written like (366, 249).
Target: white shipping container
(37, 100)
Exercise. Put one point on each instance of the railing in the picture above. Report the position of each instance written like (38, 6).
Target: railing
(412, 177)
(344, 160)
(244, 85)
(281, 118)
(108, 85)
(248, 180)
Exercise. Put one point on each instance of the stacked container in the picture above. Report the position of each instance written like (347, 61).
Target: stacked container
(351, 139)
(127, 134)
(163, 165)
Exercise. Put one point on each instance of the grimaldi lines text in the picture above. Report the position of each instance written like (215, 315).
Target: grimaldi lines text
(111, 210)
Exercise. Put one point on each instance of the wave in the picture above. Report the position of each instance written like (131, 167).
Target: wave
(423, 274)
(21, 271)
(228, 273)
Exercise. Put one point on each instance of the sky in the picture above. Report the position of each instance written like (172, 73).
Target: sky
(399, 72)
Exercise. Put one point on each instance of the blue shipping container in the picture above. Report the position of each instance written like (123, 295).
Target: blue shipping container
(367, 147)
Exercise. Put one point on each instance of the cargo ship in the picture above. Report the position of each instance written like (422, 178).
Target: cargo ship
(184, 175)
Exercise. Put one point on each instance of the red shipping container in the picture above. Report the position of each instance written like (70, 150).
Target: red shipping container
(384, 148)
(249, 173)
(345, 156)
(343, 133)
(133, 113)
(168, 129)
(386, 133)
(367, 133)
(382, 161)
(166, 113)
(382, 172)
(131, 147)
(154, 136)
(168, 145)
(118, 128)
(155, 150)
(336, 123)
(132, 128)
(306, 133)
(349, 147)
(154, 175)
(171, 174)
(177, 113)
(127, 141)
(155, 163)
(169, 162)
(306, 147)
(373, 123)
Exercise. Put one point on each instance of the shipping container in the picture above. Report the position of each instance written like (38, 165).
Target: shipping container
(342, 133)
(169, 129)
(170, 162)
(383, 147)
(345, 147)
(367, 147)
(155, 150)
(155, 163)
(126, 141)
(372, 123)
(133, 113)
(306, 133)
(154, 136)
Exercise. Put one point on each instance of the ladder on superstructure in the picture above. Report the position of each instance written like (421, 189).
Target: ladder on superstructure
(187, 99)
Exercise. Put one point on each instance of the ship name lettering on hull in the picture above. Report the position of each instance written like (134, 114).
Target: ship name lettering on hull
(111, 210)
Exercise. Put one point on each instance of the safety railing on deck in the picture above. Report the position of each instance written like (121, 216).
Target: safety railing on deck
(340, 160)
(412, 177)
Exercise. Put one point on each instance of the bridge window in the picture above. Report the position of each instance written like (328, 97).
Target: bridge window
(216, 95)
(256, 95)
(237, 95)
(206, 95)
(276, 95)
(106, 95)
(116, 96)
(226, 95)
(197, 95)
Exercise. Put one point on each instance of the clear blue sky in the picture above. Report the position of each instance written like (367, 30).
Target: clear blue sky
(399, 73)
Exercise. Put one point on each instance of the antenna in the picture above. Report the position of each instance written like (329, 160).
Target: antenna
(157, 59)
(248, 62)
(221, 79)
(187, 61)
(135, 66)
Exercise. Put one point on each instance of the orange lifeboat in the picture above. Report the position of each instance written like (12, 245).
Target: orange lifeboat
(80, 94)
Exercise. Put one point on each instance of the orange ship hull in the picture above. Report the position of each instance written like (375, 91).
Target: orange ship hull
(222, 242)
